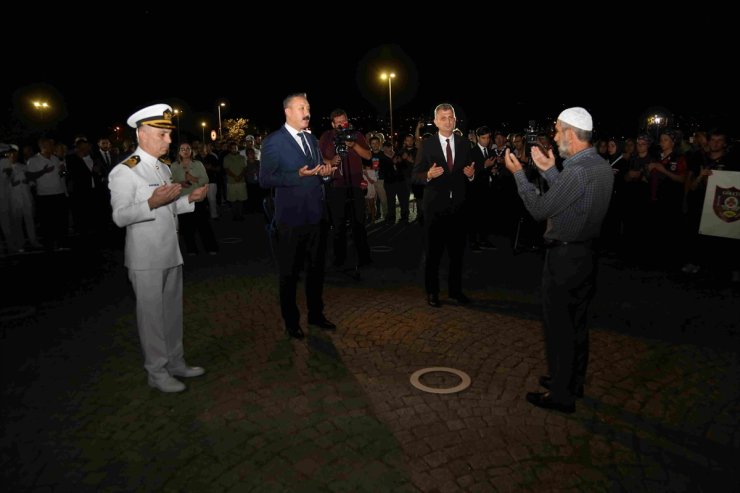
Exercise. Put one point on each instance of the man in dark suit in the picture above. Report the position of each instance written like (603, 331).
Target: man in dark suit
(84, 183)
(479, 195)
(104, 161)
(294, 167)
(444, 164)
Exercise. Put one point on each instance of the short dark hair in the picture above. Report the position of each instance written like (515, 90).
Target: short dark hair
(482, 131)
(337, 112)
(290, 97)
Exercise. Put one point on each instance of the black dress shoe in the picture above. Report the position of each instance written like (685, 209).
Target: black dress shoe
(461, 298)
(433, 300)
(295, 332)
(546, 380)
(544, 400)
(321, 322)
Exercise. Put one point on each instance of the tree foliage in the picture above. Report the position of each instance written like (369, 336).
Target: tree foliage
(233, 129)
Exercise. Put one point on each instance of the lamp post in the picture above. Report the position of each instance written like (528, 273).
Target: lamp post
(42, 107)
(177, 113)
(220, 134)
(390, 77)
(203, 131)
(657, 119)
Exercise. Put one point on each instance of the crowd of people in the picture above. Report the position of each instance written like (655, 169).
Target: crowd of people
(50, 191)
(635, 197)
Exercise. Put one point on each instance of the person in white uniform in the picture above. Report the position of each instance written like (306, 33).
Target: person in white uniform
(146, 202)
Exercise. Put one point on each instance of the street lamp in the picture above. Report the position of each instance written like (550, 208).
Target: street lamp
(177, 113)
(657, 120)
(390, 77)
(203, 130)
(220, 105)
(42, 107)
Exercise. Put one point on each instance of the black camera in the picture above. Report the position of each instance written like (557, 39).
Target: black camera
(342, 135)
(531, 134)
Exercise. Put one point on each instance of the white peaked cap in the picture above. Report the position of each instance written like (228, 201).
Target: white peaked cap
(577, 117)
(156, 115)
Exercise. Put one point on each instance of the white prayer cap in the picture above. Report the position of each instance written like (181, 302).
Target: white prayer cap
(577, 117)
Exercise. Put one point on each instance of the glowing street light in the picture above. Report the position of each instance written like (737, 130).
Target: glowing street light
(390, 77)
(177, 113)
(42, 107)
(203, 131)
(220, 105)
(656, 120)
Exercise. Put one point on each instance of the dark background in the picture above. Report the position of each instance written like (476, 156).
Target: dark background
(498, 68)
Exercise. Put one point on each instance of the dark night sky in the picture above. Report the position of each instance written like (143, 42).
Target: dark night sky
(489, 77)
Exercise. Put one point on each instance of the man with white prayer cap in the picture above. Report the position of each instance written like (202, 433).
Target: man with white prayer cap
(574, 206)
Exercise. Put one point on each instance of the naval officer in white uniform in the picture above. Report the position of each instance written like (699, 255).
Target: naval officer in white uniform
(146, 202)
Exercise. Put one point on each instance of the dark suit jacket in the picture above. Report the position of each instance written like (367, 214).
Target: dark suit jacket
(104, 167)
(482, 180)
(298, 200)
(447, 192)
(80, 177)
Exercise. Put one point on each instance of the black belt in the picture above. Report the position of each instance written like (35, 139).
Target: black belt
(558, 243)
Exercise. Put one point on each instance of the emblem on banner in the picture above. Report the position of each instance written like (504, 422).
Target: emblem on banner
(726, 204)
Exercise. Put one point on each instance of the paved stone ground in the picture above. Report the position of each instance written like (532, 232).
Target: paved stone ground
(337, 412)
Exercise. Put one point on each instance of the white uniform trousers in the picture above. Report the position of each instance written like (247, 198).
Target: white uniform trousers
(159, 317)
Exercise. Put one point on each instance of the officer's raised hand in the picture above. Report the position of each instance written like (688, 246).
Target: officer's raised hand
(164, 194)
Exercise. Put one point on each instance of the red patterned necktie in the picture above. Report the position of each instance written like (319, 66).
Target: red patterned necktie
(449, 155)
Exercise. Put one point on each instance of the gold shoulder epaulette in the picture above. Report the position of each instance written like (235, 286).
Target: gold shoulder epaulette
(166, 161)
(132, 161)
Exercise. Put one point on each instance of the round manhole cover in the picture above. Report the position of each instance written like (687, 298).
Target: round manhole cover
(231, 240)
(464, 380)
(381, 249)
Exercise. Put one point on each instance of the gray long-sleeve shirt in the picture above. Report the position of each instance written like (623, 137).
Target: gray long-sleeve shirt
(577, 199)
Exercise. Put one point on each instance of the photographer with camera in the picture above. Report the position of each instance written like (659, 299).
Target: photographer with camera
(574, 206)
(345, 148)
(444, 165)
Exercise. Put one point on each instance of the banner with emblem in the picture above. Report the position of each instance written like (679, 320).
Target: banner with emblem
(721, 213)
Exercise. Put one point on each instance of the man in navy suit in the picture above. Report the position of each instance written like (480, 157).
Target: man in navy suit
(294, 167)
(444, 164)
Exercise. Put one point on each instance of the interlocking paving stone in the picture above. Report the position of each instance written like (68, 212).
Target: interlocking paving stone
(337, 412)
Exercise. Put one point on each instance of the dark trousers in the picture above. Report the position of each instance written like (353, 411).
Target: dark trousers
(418, 191)
(444, 230)
(567, 289)
(53, 211)
(480, 207)
(348, 203)
(401, 190)
(198, 221)
(299, 245)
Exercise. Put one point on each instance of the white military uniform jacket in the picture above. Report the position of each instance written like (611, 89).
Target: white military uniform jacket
(151, 235)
